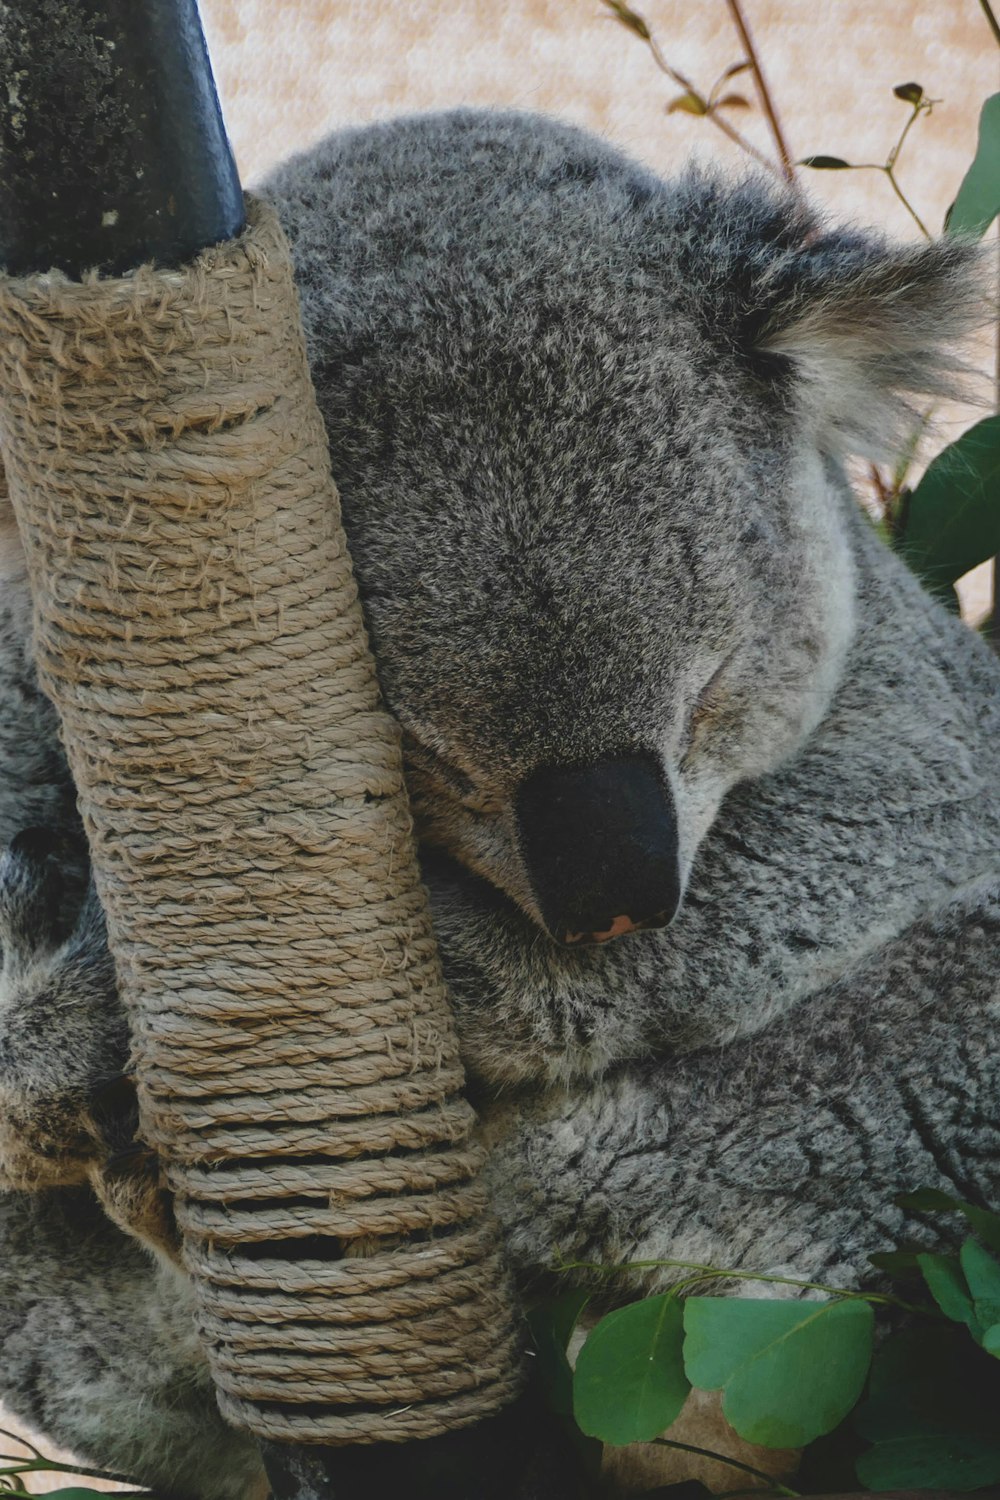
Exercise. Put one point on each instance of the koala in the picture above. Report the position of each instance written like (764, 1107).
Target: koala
(705, 783)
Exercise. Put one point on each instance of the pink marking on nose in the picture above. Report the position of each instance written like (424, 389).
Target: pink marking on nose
(619, 926)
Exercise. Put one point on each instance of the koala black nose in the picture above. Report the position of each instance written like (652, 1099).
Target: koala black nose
(600, 845)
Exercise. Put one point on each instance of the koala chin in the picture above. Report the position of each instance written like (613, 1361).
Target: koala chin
(705, 784)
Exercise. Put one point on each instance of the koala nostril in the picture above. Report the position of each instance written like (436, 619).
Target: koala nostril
(600, 846)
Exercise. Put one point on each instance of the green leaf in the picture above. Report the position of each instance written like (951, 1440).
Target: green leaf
(691, 104)
(985, 1223)
(75, 1492)
(932, 1200)
(789, 1371)
(944, 1278)
(629, 1383)
(953, 524)
(928, 1380)
(933, 1461)
(552, 1322)
(895, 1262)
(629, 18)
(991, 1340)
(927, 1200)
(978, 200)
(982, 1274)
(911, 92)
(825, 163)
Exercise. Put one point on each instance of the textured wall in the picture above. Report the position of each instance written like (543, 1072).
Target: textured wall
(290, 70)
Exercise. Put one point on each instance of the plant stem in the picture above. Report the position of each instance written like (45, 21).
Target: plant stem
(675, 76)
(890, 167)
(907, 204)
(738, 139)
(736, 136)
(890, 160)
(708, 1273)
(775, 1485)
(25, 1442)
(994, 24)
(763, 92)
(50, 1465)
(993, 622)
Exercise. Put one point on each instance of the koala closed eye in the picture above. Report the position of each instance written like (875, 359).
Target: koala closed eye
(712, 707)
(424, 762)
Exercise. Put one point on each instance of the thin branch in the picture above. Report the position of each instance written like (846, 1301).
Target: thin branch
(994, 24)
(993, 621)
(739, 139)
(882, 490)
(774, 1485)
(40, 1465)
(18, 1438)
(907, 204)
(706, 1273)
(736, 136)
(764, 93)
(638, 26)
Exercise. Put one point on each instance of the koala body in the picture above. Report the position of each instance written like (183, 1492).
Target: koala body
(588, 430)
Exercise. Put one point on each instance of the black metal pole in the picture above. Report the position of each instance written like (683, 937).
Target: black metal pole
(112, 145)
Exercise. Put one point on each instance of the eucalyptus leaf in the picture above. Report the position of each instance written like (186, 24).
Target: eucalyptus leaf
(933, 1200)
(953, 523)
(75, 1492)
(927, 1200)
(825, 163)
(932, 1461)
(911, 92)
(629, 1383)
(947, 1286)
(978, 200)
(789, 1371)
(895, 1262)
(551, 1323)
(982, 1275)
(690, 104)
(629, 18)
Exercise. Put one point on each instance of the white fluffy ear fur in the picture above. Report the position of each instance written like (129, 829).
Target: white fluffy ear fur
(872, 328)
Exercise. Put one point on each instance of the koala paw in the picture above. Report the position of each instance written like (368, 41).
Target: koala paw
(63, 1035)
(38, 871)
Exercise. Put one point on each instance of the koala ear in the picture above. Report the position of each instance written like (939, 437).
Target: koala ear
(871, 328)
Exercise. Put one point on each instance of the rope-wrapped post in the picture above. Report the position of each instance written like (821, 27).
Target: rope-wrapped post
(198, 628)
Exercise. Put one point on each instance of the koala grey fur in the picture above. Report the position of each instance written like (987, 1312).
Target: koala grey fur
(588, 429)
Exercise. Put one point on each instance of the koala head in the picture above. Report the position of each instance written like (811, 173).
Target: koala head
(586, 427)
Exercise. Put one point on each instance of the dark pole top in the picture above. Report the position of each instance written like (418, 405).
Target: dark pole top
(112, 145)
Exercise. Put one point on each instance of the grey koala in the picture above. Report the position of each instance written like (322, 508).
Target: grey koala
(659, 682)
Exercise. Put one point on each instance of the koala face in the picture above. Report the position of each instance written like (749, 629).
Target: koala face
(601, 569)
(579, 420)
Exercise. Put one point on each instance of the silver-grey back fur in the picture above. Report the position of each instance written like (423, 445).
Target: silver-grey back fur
(589, 432)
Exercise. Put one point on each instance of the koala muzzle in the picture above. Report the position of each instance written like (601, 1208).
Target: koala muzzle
(600, 846)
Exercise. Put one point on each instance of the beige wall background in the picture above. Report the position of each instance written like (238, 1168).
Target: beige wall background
(288, 71)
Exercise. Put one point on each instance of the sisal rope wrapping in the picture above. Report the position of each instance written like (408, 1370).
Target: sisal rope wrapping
(197, 626)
